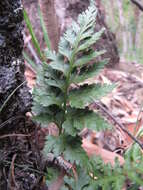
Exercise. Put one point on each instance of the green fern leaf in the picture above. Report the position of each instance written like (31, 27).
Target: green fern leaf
(55, 145)
(87, 58)
(47, 98)
(70, 37)
(51, 175)
(59, 65)
(50, 55)
(91, 41)
(91, 121)
(82, 181)
(51, 78)
(64, 48)
(78, 119)
(55, 83)
(87, 19)
(67, 146)
(84, 96)
(44, 119)
(107, 177)
(90, 73)
(69, 128)
(80, 31)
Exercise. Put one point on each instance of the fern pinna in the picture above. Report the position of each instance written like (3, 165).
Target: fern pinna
(62, 94)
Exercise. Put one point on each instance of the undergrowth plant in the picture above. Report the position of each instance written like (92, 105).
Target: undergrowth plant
(62, 95)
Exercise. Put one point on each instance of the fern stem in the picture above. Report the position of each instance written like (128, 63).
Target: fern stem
(71, 62)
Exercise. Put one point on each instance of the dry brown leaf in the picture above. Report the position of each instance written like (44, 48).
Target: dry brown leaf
(107, 156)
(30, 77)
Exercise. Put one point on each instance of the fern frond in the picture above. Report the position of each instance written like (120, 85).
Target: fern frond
(80, 35)
(54, 92)
(55, 100)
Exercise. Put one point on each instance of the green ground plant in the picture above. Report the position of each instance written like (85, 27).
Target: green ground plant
(62, 96)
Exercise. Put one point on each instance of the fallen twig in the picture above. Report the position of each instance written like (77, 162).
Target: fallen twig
(14, 135)
(61, 163)
(12, 171)
(98, 104)
(24, 167)
(12, 119)
(138, 4)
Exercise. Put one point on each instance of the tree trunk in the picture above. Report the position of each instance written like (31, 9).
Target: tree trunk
(15, 149)
(51, 21)
(123, 27)
(12, 63)
(112, 12)
(138, 42)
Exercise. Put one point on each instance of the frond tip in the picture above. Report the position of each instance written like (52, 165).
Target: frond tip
(81, 33)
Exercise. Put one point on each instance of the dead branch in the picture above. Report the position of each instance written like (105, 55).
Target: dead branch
(60, 162)
(99, 105)
(138, 4)
(12, 171)
(14, 135)
(12, 119)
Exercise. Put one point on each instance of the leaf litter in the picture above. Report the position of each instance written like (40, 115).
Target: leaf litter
(125, 104)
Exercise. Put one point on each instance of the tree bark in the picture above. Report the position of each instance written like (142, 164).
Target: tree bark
(12, 63)
(137, 41)
(51, 21)
(123, 25)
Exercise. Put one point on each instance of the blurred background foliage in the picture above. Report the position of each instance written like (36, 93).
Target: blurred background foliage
(126, 21)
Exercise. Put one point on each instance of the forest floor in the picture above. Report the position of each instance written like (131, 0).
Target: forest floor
(21, 162)
(23, 165)
(121, 108)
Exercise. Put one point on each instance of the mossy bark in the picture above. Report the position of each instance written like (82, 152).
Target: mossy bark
(11, 62)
